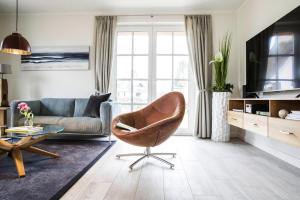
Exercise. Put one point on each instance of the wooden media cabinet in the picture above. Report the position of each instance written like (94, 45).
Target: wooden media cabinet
(283, 130)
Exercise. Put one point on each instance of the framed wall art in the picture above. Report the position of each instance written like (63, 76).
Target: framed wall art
(57, 58)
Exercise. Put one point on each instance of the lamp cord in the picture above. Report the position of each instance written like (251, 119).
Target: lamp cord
(17, 14)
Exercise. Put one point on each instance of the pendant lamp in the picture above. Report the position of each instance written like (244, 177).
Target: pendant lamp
(15, 43)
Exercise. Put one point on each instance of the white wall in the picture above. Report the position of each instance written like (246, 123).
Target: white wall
(49, 30)
(75, 29)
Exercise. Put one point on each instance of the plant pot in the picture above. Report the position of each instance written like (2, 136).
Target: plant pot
(220, 127)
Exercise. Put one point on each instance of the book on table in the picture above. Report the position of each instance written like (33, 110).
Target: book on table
(24, 130)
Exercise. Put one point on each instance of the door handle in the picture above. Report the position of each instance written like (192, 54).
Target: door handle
(285, 132)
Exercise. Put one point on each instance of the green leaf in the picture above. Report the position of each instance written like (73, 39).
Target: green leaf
(220, 63)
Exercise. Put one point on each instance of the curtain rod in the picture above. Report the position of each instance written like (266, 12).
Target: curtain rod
(150, 15)
(142, 15)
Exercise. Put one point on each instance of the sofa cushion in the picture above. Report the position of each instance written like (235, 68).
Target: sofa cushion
(42, 120)
(57, 107)
(70, 124)
(80, 124)
(80, 105)
(93, 107)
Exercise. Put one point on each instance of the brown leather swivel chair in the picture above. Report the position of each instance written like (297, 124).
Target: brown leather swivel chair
(154, 124)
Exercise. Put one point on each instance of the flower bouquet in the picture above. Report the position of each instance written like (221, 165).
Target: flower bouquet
(25, 110)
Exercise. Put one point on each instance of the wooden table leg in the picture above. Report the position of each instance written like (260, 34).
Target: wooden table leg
(41, 152)
(23, 141)
(33, 141)
(5, 145)
(18, 159)
(15, 151)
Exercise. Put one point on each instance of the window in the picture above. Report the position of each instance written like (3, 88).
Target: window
(172, 66)
(149, 62)
(132, 70)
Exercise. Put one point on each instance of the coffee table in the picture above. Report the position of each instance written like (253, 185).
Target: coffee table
(25, 143)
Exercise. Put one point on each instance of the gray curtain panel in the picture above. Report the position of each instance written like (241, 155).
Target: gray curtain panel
(105, 29)
(199, 37)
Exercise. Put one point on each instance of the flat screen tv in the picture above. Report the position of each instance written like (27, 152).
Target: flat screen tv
(273, 56)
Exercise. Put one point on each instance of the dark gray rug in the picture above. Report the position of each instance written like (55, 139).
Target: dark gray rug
(48, 178)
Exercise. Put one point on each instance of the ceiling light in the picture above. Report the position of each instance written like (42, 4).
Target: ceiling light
(15, 43)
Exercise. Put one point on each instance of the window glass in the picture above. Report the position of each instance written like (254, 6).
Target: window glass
(124, 66)
(140, 67)
(181, 67)
(180, 44)
(164, 43)
(141, 43)
(124, 91)
(124, 41)
(140, 91)
(164, 67)
(163, 87)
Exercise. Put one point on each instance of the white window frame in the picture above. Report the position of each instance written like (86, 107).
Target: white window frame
(152, 30)
(114, 68)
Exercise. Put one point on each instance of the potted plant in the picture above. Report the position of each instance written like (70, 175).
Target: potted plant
(221, 92)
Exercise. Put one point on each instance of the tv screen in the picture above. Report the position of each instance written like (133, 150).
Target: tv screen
(273, 56)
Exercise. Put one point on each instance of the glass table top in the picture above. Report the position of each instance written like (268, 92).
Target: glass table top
(47, 129)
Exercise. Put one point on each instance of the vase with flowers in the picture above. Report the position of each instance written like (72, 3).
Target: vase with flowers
(25, 110)
(221, 92)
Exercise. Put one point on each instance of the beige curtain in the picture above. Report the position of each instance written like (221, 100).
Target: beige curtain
(199, 37)
(105, 28)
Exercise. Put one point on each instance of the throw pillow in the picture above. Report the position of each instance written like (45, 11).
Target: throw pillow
(93, 106)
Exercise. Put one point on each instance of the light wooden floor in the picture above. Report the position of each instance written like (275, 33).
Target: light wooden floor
(204, 170)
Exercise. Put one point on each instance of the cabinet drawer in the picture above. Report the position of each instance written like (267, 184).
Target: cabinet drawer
(236, 119)
(287, 131)
(257, 124)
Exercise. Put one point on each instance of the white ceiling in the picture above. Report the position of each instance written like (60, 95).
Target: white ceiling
(85, 6)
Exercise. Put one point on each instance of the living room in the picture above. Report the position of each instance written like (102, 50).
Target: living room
(122, 99)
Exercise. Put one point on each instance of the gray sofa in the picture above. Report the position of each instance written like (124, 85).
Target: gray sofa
(68, 113)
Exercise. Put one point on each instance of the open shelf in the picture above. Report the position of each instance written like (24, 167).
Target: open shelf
(264, 103)
(289, 105)
(236, 104)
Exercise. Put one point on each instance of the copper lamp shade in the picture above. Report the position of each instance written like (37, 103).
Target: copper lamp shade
(15, 44)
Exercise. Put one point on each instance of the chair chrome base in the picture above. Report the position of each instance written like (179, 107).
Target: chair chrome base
(146, 155)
